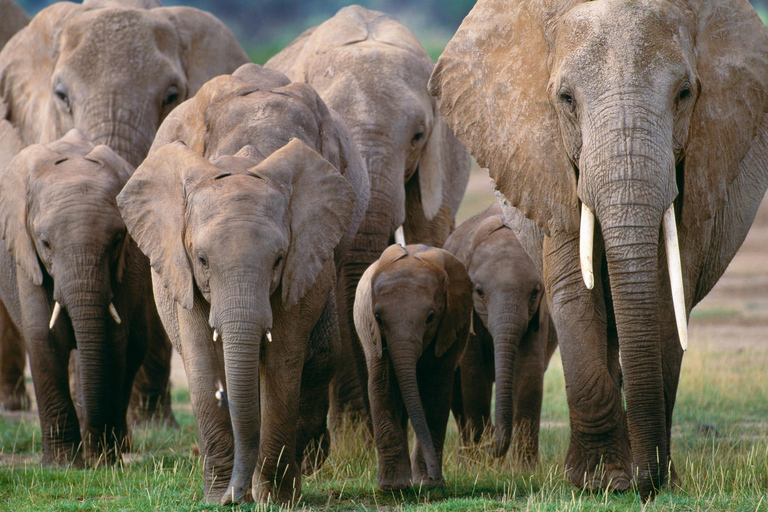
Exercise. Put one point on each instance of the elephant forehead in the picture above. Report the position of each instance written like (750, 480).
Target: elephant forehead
(235, 195)
(623, 41)
(75, 175)
(406, 276)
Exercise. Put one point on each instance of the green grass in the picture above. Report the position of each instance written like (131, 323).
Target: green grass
(720, 445)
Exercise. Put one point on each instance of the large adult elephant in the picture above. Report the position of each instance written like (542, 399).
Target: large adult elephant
(648, 117)
(373, 71)
(114, 70)
(13, 19)
(72, 279)
(249, 192)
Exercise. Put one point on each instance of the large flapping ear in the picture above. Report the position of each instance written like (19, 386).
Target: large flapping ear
(210, 48)
(152, 204)
(320, 211)
(458, 300)
(491, 85)
(732, 67)
(26, 66)
(365, 323)
(13, 207)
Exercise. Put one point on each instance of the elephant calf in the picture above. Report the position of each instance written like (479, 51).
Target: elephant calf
(513, 341)
(412, 314)
(73, 279)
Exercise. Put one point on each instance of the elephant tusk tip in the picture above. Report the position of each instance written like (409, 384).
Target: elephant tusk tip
(215, 335)
(54, 315)
(269, 336)
(113, 313)
(400, 236)
(589, 280)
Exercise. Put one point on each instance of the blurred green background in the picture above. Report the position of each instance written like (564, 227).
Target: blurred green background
(264, 27)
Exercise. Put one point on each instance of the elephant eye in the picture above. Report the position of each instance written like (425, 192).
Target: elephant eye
(46, 245)
(171, 95)
(377, 318)
(430, 316)
(685, 92)
(203, 261)
(479, 291)
(61, 94)
(417, 138)
(278, 261)
(567, 99)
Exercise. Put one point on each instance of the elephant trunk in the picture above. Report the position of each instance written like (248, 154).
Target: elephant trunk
(128, 132)
(404, 355)
(630, 181)
(507, 331)
(242, 320)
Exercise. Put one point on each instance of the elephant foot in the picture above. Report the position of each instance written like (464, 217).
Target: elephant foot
(611, 475)
(284, 487)
(429, 482)
(396, 483)
(235, 496)
(63, 456)
(152, 410)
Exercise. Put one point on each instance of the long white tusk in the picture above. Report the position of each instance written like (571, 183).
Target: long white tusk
(586, 242)
(269, 336)
(675, 274)
(113, 312)
(54, 315)
(400, 236)
(215, 335)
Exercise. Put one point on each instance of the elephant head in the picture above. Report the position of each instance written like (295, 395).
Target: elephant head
(113, 70)
(507, 298)
(631, 112)
(412, 300)
(249, 235)
(60, 222)
(373, 71)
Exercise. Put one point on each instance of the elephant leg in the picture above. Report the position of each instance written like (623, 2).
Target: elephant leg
(476, 391)
(528, 386)
(599, 454)
(13, 357)
(278, 474)
(435, 377)
(314, 439)
(151, 396)
(204, 366)
(390, 427)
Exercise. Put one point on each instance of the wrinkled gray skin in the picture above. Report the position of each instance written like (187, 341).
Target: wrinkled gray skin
(240, 219)
(65, 242)
(12, 20)
(373, 71)
(78, 66)
(626, 107)
(412, 313)
(513, 339)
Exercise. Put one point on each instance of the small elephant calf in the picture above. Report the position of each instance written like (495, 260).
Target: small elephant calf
(412, 314)
(513, 339)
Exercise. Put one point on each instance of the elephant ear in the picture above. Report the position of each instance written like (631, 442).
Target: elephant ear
(13, 207)
(105, 156)
(26, 66)
(491, 85)
(732, 66)
(152, 204)
(365, 323)
(458, 299)
(14, 19)
(210, 48)
(320, 210)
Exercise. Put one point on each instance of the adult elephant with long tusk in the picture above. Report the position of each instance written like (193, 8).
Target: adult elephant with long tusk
(649, 117)
(73, 279)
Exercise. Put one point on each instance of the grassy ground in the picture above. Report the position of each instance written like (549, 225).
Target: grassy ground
(720, 445)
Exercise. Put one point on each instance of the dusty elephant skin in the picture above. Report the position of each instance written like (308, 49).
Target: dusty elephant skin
(512, 343)
(373, 71)
(14, 19)
(75, 280)
(249, 189)
(631, 112)
(77, 66)
(412, 313)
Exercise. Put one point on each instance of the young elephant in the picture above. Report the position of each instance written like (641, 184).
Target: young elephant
(73, 279)
(240, 218)
(513, 341)
(412, 314)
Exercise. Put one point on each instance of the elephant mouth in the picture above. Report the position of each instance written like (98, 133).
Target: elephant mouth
(674, 266)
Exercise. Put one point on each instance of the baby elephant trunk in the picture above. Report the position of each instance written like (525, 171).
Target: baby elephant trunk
(404, 357)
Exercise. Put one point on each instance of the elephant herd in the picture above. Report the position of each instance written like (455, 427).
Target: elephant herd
(290, 229)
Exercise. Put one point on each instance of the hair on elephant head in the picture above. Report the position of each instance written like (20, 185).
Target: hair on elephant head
(615, 109)
(113, 70)
(60, 223)
(414, 302)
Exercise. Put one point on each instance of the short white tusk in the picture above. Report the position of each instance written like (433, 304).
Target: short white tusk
(269, 336)
(113, 312)
(586, 243)
(54, 315)
(400, 236)
(215, 335)
(675, 274)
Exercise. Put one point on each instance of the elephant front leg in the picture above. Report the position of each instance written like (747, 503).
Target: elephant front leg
(390, 427)
(528, 387)
(13, 391)
(599, 454)
(475, 389)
